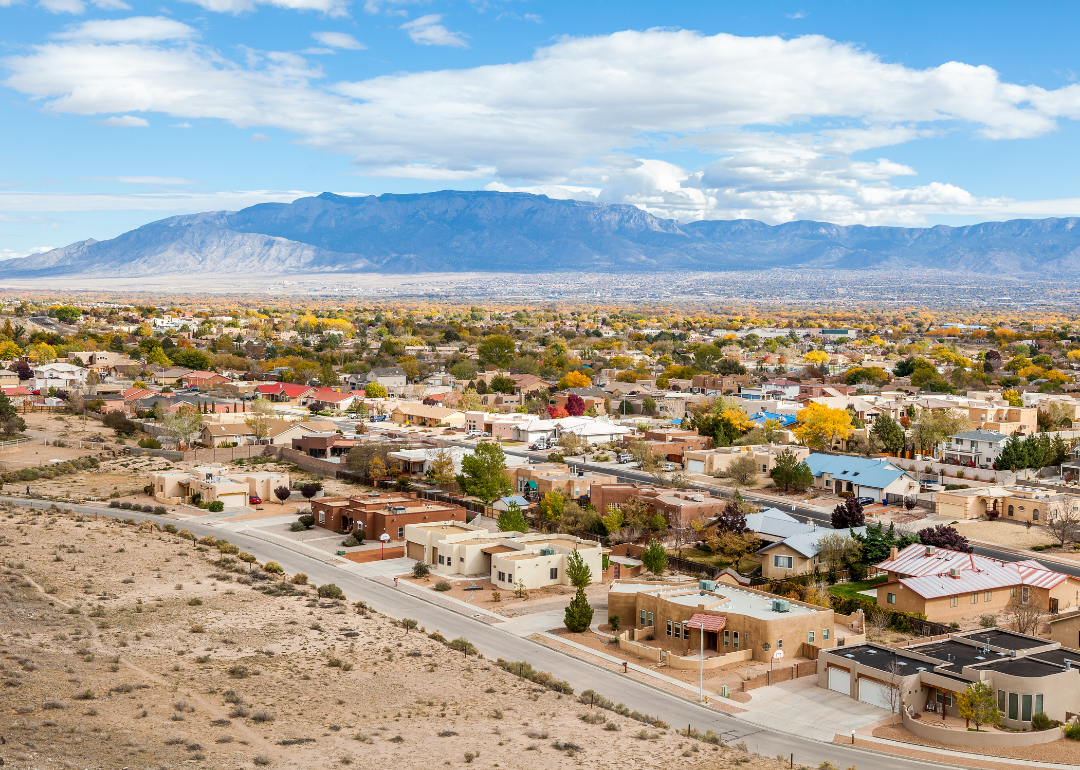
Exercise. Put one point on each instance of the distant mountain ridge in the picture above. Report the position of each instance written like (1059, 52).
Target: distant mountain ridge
(458, 231)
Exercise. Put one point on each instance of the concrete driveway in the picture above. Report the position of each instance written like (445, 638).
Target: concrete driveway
(384, 568)
(803, 708)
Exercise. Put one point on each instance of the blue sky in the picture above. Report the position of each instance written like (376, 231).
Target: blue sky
(120, 112)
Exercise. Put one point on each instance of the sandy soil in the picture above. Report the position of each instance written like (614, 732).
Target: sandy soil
(1061, 752)
(1004, 533)
(126, 647)
(538, 600)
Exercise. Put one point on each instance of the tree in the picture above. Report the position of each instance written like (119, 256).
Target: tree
(513, 520)
(1012, 396)
(578, 615)
(878, 542)
(1063, 519)
(816, 358)
(943, 536)
(483, 473)
(502, 384)
(742, 470)
(441, 468)
(848, 514)
(790, 474)
(574, 380)
(889, 434)
(9, 351)
(654, 557)
(894, 694)
(577, 571)
(838, 548)
(731, 519)
(978, 704)
(1025, 609)
(931, 428)
(648, 405)
(643, 455)
(282, 494)
(575, 405)
(363, 457)
(10, 421)
(822, 425)
(374, 390)
(184, 424)
(496, 349)
(552, 505)
(259, 420)
(190, 358)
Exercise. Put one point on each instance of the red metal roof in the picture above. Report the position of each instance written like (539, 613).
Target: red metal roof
(707, 622)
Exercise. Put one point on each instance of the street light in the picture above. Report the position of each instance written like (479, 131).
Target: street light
(700, 626)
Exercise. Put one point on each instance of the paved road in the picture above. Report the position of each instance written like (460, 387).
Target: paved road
(494, 642)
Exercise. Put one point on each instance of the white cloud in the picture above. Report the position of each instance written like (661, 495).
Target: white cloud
(778, 121)
(534, 17)
(12, 254)
(562, 192)
(182, 125)
(63, 6)
(426, 30)
(170, 201)
(142, 180)
(137, 28)
(259, 138)
(235, 7)
(798, 15)
(124, 121)
(339, 40)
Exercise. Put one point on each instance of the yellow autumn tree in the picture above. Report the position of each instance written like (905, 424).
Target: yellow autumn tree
(9, 350)
(816, 357)
(575, 380)
(1013, 397)
(821, 425)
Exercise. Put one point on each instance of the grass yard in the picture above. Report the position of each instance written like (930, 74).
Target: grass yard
(701, 557)
(851, 590)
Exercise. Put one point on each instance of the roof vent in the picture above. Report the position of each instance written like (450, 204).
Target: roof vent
(1068, 665)
(921, 668)
(931, 550)
(979, 657)
(1012, 653)
(849, 655)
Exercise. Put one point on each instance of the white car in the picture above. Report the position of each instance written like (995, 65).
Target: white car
(475, 433)
(668, 466)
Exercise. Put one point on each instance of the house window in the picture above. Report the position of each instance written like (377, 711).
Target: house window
(441, 559)
(890, 598)
(952, 601)
(1012, 592)
(502, 577)
(784, 562)
(779, 644)
(948, 700)
(686, 634)
(975, 598)
(810, 637)
(1025, 594)
(1038, 703)
(1035, 515)
(554, 573)
(727, 638)
(987, 595)
(1014, 706)
(1025, 708)
(1001, 701)
(401, 533)
(824, 634)
(650, 619)
(678, 630)
(322, 517)
(735, 639)
(1010, 510)
(642, 618)
(669, 628)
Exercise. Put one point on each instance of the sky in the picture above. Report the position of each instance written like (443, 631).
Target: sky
(116, 113)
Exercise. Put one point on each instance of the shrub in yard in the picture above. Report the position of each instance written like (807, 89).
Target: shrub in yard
(307, 521)
(126, 505)
(216, 506)
(297, 527)
(420, 569)
(330, 591)
(1040, 721)
(1072, 732)
(443, 585)
(987, 621)
(350, 542)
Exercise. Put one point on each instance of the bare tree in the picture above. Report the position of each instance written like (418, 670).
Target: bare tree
(877, 623)
(258, 421)
(893, 688)
(1025, 609)
(1063, 519)
(835, 548)
(183, 424)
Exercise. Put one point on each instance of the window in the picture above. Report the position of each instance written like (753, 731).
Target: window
(975, 598)
(686, 634)
(810, 637)
(554, 573)
(669, 628)
(890, 598)
(948, 700)
(502, 577)
(735, 639)
(824, 634)
(987, 595)
(1038, 703)
(322, 517)
(1001, 701)
(441, 558)
(1025, 708)
(952, 601)
(727, 638)
(678, 630)
(642, 618)
(779, 644)
(509, 577)
(1010, 510)
(1014, 706)
(785, 562)
(401, 534)
(650, 619)
(1012, 592)
(1035, 515)
(1025, 594)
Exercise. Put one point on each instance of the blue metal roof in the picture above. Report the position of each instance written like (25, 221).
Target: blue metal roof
(858, 470)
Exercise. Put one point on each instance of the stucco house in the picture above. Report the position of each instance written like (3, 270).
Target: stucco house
(860, 476)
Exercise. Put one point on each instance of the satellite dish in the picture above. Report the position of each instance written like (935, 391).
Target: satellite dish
(384, 537)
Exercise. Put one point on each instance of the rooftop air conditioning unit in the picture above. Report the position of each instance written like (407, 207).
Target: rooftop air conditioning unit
(706, 585)
(397, 509)
(780, 605)
(931, 550)
(547, 551)
(955, 572)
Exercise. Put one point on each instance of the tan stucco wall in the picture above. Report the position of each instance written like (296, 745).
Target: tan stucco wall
(799, 563)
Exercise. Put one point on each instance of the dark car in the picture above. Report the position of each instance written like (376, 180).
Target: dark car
(865, 500)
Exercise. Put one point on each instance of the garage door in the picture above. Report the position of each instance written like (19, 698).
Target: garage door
(874, 693)
(840, 680)
(695, 466)
(415, 551)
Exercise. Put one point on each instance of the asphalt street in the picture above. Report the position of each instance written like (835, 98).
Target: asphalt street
(493, 643)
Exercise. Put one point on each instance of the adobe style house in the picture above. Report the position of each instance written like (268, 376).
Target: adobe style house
(946, 585)
(412, 413)
(233, 490)
(1010, 503)
(736, 619)
(713, 461)
(379, 513)
(534, 560)
(1026, 673)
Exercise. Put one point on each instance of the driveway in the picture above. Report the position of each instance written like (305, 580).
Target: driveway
(385, 568)
(803, 708)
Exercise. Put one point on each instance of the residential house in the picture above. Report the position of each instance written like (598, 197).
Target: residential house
(59, 376)
(17, 396)
(327, 400)
(328, 446)
(203, 380)
(284, 392)
(169, 375)
(9, 379)
(1035, 505)
(390, 377)
(232, 489)
(413, 413)
(418, 461)
(537, 479)
(378, 513)
(977, 448)
(860, 476)
(714, 461)
(281, 432)
(718, 384)
(796, 554)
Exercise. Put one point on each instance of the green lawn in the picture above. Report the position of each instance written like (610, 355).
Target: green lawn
(851, 590)
(693, 554)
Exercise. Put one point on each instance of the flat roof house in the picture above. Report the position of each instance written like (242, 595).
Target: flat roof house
(233, 490)
(379, 513)
(861, 476)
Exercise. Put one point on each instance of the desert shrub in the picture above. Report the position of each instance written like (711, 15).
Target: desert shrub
(261, 760)
(170, 528)
(126, 505)
(149, 443)
(263, 716)
(239, 672)
(194, 602)
(443, 585)
(1072, 732)
(273, 568)
(84, 695)
(350, 542)
(216, 506)
(297, 527)
(330, 591)
(987, 621)
(1040, 721)
(299, 579)
(307, 520)
(114, 503)
(420, 569)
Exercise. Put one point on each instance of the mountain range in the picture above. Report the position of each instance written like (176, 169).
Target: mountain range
(458, 231)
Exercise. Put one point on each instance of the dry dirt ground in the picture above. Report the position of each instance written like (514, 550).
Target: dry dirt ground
(1004, 533)
(1063, 752)
(125, 647)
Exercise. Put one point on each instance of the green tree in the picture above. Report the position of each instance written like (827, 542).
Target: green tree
(496, 349)
(483, 473)
(10, 421)
(790, 474)
(190, 358)
(654, 557)
(502, 384)
(577, 571)
(552, 505)
(513, 520)
(978, 703)
(157, 356)
(890, 434)
(374, 390)
(578, 615)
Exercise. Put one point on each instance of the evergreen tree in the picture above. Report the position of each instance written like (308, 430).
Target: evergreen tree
(889, 434)
(577, 571)
(10, 421)
(513, 520)
(654, 557)
(578, 615)
(789, 474)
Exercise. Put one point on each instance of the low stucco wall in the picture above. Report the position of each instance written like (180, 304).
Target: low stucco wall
(680, 663)
(991, 737)
(652, 653)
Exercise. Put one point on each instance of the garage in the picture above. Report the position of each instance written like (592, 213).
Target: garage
(233, 499)
(414, 551)
(874, 693)
(840, 680)
(695, 466)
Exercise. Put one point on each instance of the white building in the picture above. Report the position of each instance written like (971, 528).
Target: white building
(59, 376)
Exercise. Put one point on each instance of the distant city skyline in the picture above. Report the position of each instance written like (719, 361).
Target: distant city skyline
(119, 113)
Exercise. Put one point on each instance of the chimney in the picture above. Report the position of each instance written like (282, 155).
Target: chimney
(893, 552)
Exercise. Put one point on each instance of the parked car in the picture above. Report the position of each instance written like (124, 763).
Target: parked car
(473, 433)
(255, 500)
(865, 500)
(538, 446)
(624, 457)
(668, 466)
